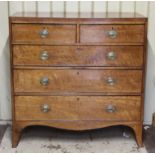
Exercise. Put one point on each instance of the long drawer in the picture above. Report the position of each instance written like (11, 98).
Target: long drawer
(78, 80)
(112, 33)
(126, 56)
(106, 108)
(43, 34)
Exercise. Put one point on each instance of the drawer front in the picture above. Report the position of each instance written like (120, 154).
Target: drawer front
(77, 108)
(45, 108)
(43, 34)
(78, 56)
(113, 108)
(78, 80)
(112, 33)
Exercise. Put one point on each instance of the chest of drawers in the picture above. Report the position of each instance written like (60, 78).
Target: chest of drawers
(77, 73)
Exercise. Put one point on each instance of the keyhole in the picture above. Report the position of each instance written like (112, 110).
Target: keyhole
(78, 49)
(77, 99)
(78, 73)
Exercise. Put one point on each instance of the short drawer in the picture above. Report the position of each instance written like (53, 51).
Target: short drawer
(43, 34)
(126, 56)
(78, 80)
(115, 108)
(112, 33)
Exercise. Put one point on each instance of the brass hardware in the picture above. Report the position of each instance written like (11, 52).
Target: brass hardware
(111, 55)
(112, 34)
(45, 108)
(44, 81)
(44, 55)
(110, 81)
(110, 109)
(44, 33)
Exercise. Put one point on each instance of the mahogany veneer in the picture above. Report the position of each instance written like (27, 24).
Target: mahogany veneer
(77, 71)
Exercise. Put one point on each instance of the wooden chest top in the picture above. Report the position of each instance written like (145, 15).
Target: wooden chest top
(78, 17)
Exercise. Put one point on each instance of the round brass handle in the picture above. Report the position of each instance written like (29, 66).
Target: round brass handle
(44, 55)
(45, 108)
(110, 81)
(112, 34)
(44, 33)
(44, 81)
(110, 109)
(111, 55)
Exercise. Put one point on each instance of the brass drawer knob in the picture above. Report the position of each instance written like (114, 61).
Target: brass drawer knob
(45, 108)
(110, 109)
(44, 33)
(112, 34)
(111, 55)
(44, 55)
(111, 81)
(44, 81)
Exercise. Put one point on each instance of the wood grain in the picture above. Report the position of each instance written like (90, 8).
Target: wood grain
(77, 108)
(78, 69)
(127, 56)
(82, 17)
(30, 33)
(77, 80)
(98, 33)
(95, 108)
(76, 126)
(61, 108)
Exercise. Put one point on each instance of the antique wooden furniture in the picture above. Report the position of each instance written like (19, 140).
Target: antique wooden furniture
(78, 71)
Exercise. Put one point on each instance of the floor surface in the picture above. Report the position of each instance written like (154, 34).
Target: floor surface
(2, 131)
(44, 139)
(149, 139)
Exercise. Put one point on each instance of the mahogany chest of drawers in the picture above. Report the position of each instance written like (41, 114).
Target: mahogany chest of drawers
(77, 72)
